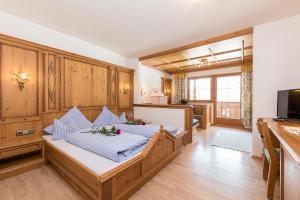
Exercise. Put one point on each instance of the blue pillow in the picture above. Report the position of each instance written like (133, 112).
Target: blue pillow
(60, 130)
(123, 118)
(104, 118)
(80, 120)
(114, 119)
(72, 124)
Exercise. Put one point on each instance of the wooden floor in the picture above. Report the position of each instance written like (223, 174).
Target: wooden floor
(201, 172)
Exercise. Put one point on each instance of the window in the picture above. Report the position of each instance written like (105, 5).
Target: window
(200, 89)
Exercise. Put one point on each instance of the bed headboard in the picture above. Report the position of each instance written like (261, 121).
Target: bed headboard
(57, 81)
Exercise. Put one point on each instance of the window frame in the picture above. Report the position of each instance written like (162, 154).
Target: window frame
(228, 75)
(211, 88)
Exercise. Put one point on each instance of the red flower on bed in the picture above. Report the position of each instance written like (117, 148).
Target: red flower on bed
(118, 131)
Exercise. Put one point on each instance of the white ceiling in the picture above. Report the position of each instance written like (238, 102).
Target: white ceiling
(136, 28)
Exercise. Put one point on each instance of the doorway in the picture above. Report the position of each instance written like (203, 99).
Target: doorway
(228, 99)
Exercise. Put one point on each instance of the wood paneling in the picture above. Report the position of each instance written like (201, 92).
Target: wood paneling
(77, 84)
(52, 81)
(201, 43)
(57, 80)
(16, 102)
(231, 49)
(84, 85)
(113, 87)
(99, 86)
(125, 99)
(8, 132)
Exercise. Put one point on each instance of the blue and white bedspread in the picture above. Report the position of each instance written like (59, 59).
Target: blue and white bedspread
(117, 148)
(147, 130)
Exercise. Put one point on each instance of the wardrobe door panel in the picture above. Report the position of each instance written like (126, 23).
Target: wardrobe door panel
(17, 102)
(99, 86)
(77, 84)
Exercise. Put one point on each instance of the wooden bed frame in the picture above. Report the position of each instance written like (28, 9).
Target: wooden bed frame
(122, 181)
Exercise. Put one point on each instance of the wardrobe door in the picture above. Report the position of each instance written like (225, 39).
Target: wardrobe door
(18, 101)
(125, 89)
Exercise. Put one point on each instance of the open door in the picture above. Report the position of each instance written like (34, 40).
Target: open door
(228, 100)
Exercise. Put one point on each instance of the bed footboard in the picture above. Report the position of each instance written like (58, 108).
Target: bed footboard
(124, 180)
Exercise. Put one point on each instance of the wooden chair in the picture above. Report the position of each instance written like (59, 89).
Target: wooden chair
(265, 159)
(272, 154)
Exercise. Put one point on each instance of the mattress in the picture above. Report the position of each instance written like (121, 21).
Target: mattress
(92, 161)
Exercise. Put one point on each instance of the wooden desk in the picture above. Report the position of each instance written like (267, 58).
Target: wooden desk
(289, 159)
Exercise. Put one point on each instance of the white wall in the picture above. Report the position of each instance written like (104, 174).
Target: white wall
(149, 79)
(23, 29)
(276, 66)
(162, 116)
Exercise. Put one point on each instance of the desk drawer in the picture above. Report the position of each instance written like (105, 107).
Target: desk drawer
(6, 153)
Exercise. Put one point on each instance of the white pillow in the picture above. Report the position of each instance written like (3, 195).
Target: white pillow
(60, 130)
(80, 120)
(104, 118)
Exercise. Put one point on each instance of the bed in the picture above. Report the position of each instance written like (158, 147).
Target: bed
(95, 177)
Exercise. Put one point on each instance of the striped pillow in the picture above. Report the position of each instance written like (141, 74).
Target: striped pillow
(60, 130)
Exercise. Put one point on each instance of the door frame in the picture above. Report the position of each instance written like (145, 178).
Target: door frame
(224, 121)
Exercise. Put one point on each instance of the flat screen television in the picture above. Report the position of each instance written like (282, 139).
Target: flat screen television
(288, 104)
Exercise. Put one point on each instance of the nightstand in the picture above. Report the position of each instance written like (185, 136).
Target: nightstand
(22, 156)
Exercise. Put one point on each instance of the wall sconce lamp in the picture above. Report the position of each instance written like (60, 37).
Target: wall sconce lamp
(167, 92)
(125, 88)
(20, 77)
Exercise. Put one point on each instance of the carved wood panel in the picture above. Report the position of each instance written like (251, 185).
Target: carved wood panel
(52, 73)
(16, 102)
(113, 88)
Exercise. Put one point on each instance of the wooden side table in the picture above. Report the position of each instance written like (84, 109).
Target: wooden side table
(24, 156)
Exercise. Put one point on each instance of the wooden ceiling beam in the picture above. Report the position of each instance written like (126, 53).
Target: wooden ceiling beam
(227, 36)
(232, 63)
(213, 55)
(212, 67)
(220, 61)
(205, 56)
